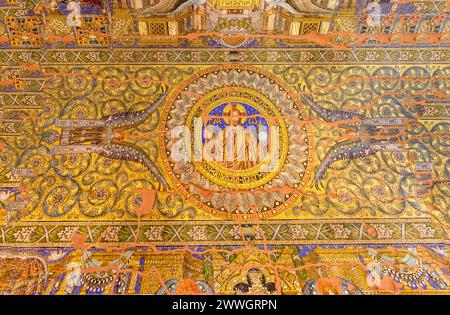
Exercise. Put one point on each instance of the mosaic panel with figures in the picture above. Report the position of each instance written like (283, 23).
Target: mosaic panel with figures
(220, 147)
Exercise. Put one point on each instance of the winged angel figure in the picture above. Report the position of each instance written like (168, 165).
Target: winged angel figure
(105, 137)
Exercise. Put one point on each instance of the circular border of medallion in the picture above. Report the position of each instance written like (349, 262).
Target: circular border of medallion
(292, 108)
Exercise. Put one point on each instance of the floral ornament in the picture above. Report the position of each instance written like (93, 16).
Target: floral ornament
(431, 111)
(8, 127)
(340, 231)
(93, 56)
(195, 56)
(424, 230)
(160, 56)
(24, 234)
(404, 55)
(111, 234)
(60, 56)
(198, 233)
(29, 100)
(236, 232)
(305, 55)
(26, 57)
(258, 232)
(383, 231)
(154, 233)
(127, 56)
(66, 234)
(298, 232)
(118, 26)
(273, 56)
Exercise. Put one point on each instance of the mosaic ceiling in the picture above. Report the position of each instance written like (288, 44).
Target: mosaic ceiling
(224, 147)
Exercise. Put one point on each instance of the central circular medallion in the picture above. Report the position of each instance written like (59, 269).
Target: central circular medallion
(235, 142)
(238, 124)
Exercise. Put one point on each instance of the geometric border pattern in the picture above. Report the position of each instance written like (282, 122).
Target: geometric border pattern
(226, 232)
